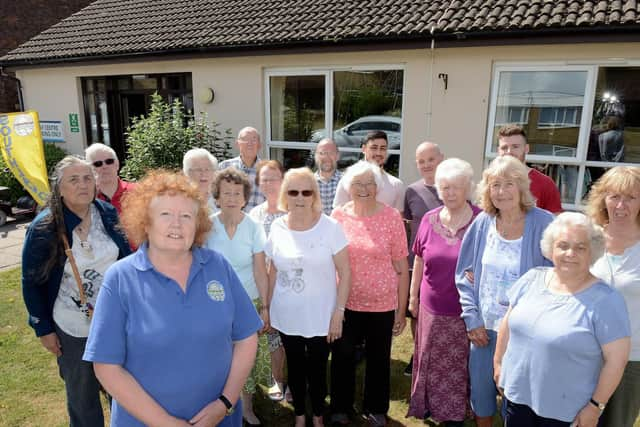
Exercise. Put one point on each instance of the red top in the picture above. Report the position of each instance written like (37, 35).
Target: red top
(123, 187)
(545, 191)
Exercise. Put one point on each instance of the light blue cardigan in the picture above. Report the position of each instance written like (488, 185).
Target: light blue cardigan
(472, 249)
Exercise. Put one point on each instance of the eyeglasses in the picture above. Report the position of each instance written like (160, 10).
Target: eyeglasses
(200, 170)
(363, 184)
(99, 163)
(305, 193)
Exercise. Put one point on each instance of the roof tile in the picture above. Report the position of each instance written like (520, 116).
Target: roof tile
(113, 27)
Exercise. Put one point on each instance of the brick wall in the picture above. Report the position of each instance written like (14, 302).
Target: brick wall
(22, 20)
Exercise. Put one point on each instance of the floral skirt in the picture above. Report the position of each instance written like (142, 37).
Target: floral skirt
(261, 372)
(440, 381)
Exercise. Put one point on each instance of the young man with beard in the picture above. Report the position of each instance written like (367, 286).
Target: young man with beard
(392, 190)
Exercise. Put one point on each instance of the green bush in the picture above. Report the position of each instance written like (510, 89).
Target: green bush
(52, 155)
(160, 139)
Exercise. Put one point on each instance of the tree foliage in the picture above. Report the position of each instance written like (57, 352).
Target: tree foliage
(160, 139)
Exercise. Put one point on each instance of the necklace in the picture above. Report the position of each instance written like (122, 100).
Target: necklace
(510, 230)
(83, 231)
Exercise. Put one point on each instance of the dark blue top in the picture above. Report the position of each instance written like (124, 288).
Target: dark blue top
(40, 291)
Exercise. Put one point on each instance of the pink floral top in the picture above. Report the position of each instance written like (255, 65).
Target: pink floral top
(374, 242)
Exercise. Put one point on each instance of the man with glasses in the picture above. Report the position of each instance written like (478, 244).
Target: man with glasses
(248, 143)
(109, 186)
(327, 173)
(392, 190)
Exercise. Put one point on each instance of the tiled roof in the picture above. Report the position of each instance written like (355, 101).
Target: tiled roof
(131, 27)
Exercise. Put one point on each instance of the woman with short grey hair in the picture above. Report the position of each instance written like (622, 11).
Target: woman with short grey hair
(440, 380)
(110, 187)
(200, 165)
(566, 323)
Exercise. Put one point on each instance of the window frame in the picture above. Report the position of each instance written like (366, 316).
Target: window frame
(580, 158)
(328, 73)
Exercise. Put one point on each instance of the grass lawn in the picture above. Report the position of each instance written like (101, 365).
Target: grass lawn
(32, 393)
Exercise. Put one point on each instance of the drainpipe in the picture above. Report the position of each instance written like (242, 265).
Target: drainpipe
(430, 94)
(17, 80)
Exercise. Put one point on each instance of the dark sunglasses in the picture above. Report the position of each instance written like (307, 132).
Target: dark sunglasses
(99, 163)
(305, 193)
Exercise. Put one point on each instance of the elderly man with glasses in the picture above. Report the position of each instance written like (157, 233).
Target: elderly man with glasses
(249, 145)
(105, 164)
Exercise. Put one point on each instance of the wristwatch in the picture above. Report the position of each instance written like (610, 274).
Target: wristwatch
(598, 405)
(227, 403)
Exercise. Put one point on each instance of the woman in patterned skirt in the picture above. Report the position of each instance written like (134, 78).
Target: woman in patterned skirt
(440, 377)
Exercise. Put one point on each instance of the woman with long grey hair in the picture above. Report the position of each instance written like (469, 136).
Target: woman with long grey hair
(67, 249)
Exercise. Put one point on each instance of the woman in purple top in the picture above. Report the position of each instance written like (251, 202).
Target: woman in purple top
(440, 379)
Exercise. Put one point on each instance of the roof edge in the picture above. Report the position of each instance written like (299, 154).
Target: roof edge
(555, 35)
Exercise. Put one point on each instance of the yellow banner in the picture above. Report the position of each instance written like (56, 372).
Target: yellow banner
(23, 152)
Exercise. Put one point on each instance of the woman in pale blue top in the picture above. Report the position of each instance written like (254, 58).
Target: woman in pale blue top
(241, 240)
(564, 342)
(499, 247)
(614, 203)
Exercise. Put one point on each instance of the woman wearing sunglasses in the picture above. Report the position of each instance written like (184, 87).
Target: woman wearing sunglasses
(104, 161)
(306, 249)
(376, 306)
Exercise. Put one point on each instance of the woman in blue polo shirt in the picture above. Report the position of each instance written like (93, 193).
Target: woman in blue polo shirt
(174, 333)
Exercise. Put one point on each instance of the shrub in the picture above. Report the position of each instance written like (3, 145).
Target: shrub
(160, 139)
(52, 155)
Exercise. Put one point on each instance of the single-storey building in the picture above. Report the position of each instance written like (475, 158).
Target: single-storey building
(450, 71)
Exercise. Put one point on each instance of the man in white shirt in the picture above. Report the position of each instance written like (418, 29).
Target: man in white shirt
(392, 190)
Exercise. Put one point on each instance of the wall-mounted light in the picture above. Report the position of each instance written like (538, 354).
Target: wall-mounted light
(206, 95)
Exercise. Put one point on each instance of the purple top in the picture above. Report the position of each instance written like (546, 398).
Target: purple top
(439, 250)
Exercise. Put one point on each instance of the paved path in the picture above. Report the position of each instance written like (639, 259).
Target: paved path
(11, 237)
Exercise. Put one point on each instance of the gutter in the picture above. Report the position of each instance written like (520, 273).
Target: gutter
(18, 82)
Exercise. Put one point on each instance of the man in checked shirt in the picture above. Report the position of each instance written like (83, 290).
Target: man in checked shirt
(327, 174)
(249, 145)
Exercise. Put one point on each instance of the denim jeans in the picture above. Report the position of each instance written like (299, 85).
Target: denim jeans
(81, 384)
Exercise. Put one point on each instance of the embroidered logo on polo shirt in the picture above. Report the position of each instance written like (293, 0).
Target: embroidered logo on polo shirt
(215, 290)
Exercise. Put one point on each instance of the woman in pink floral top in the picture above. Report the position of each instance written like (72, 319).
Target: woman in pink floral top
(375, 310)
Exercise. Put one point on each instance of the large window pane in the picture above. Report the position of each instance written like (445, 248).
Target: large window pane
(297, 107)
(548, 104)
(365, 101)
(615, 127)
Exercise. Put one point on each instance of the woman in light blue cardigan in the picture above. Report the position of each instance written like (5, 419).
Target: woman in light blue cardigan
(501, 245)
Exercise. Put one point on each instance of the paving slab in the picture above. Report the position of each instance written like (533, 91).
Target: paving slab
(11, 239)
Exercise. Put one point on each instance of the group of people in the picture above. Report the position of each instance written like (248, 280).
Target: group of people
(242, 269)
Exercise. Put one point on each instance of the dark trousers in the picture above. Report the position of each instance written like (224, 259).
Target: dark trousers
(307, 365)
(517, 415)
(376, 330)
(81, 384)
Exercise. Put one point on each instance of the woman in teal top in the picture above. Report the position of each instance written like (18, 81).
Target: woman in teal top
(241, 240)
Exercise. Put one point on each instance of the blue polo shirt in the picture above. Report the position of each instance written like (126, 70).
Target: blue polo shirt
(177, 345)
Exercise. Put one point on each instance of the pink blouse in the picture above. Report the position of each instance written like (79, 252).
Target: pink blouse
(374, 242)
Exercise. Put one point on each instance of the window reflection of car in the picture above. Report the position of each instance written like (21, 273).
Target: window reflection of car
(353, 134)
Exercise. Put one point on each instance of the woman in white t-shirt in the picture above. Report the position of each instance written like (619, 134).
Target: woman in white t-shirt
(614, 203)
(307, 302)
